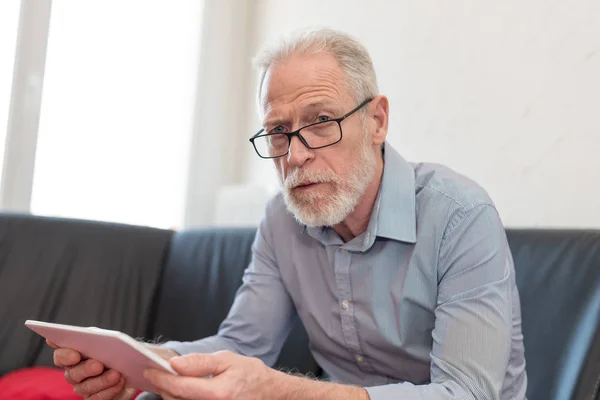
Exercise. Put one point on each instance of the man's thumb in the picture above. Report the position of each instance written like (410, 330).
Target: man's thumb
(199, 365)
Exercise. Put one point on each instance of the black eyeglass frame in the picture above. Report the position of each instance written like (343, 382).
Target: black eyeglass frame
(290, 135)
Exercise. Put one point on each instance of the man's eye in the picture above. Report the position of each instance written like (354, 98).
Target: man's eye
(278, 129)
(323, 118)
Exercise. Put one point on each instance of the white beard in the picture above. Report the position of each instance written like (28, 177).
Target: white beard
(330, 205)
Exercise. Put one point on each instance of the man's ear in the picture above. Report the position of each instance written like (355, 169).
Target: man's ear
(379, 111)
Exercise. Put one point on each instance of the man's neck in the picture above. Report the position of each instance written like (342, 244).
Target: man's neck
(358, 221)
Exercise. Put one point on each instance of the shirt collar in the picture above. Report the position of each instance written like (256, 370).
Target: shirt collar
(394, 212)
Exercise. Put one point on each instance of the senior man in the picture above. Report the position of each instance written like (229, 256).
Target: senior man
(401, 273)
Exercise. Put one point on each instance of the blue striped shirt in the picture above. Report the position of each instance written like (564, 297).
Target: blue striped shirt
(422, 305)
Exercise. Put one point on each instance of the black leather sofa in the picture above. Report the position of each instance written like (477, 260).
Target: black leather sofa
(159, 284)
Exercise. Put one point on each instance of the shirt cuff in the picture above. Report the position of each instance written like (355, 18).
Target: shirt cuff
(147, 396)
(404, 390)
(209, 344)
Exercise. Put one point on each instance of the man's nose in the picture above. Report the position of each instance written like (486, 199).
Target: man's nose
(298, 153)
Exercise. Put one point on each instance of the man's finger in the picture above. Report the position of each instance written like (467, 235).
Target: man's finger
(68, 378)
(110, 393)
(200, 365)
(66, 357)
(84, 370)
(181, 387)
(100, 384)
(49, 343)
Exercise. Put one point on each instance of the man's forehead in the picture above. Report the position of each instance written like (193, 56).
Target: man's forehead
(300, 75)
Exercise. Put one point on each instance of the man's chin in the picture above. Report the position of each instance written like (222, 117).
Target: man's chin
(314, 208)
(314, 219)
(317, 213)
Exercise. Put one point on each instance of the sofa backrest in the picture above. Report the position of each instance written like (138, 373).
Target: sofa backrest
(201, 276)
(73, 272)
(558, 275)
(150, 282)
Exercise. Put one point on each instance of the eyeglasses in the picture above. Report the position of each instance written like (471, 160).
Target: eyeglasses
(314, 136)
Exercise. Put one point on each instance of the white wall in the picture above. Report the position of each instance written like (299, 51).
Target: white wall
(218, 138)
(9, 23)
(117, 111)
(507, 93)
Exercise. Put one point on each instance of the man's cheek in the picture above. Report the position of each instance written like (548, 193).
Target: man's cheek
(281, 169)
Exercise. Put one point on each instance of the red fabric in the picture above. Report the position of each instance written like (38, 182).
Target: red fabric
(37, 383)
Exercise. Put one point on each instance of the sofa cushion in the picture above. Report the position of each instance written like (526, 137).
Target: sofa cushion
(39, 383)
(202, 274)
(558, 275)
(73, 272)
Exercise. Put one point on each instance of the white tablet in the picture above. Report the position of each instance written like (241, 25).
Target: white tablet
(114, 349)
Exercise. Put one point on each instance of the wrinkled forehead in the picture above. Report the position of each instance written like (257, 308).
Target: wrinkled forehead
(300, 77)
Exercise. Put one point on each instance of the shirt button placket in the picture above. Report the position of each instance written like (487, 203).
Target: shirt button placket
(345, 305)
(349, 329)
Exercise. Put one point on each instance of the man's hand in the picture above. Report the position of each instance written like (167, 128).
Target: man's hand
(89, 377)
(235, 377)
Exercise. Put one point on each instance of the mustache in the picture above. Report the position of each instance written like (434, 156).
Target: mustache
(299, 177)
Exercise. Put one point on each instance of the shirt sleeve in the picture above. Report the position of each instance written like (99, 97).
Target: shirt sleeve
(473, 315)
(262, 313)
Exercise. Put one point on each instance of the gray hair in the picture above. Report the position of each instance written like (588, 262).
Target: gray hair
(352, 56)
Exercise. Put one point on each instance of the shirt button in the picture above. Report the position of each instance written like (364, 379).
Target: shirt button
(360, 358)
(345, 304)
